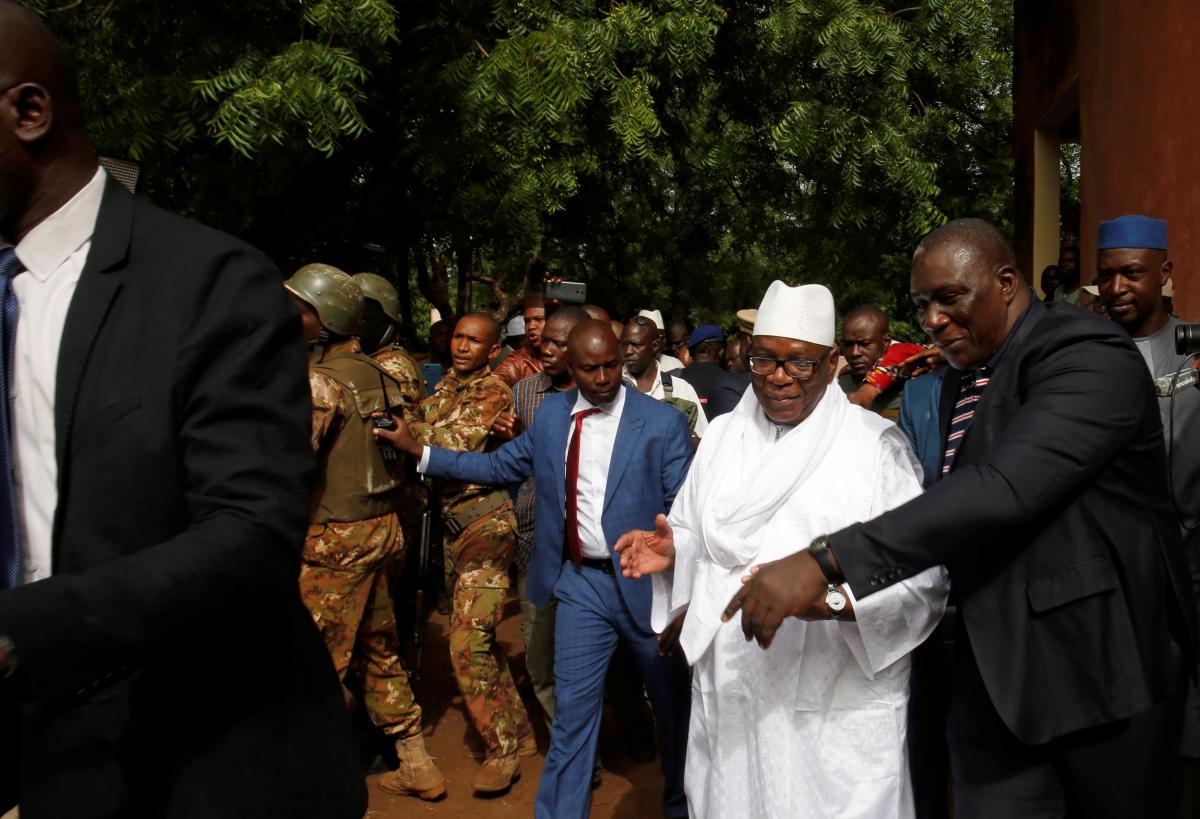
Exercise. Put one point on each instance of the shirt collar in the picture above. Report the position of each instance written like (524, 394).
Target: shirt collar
(613, 408)
(994, 361)
(55, 238)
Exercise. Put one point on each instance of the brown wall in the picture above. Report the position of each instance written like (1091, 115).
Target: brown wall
(1138, 69)
(1140, 109)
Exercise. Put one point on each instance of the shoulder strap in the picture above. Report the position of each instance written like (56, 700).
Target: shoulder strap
(668, 388)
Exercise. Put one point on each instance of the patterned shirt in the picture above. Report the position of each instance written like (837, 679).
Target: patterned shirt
(527, 397)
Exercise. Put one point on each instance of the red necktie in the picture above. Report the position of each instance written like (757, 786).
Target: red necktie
(573, 548)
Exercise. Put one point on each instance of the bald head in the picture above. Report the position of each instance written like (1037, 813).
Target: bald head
(968, 290)
(975, 237)
(594, 361)
(45, 157)
(597, 312)
(564, 319)
(29, 53)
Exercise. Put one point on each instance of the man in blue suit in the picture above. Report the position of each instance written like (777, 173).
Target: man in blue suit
(624, 455)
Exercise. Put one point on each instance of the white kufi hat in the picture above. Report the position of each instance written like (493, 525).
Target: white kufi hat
(654, 315)
(804, 312)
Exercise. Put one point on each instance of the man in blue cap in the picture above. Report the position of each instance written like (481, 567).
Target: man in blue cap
(1132, 269)
(718, 389)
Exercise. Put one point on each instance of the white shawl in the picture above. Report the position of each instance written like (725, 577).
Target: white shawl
(770, 471)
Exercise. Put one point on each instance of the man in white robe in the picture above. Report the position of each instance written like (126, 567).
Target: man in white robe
(814, 726)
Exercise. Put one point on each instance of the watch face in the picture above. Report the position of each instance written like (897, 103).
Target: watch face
(835, 600)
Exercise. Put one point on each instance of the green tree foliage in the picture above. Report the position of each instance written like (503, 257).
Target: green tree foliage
(680, 153)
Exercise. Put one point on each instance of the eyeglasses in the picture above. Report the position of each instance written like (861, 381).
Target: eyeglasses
(798, 369)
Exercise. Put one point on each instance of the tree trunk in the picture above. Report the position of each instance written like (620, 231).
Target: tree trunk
(465, 261)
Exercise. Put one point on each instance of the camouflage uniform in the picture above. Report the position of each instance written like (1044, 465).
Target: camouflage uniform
(344, 581)
(459, 415)
(412, 497)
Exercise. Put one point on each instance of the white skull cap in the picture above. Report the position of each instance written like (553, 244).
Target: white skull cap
(804, 312)
(655, 316)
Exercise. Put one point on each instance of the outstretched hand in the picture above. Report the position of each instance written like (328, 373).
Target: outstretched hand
(791, 587)
(645, 552)
(923, 362)
(400, 437)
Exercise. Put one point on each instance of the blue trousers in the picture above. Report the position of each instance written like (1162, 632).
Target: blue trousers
(592, 616)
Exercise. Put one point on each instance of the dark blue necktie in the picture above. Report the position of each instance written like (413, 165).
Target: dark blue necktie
(10, 540)
(970, 390)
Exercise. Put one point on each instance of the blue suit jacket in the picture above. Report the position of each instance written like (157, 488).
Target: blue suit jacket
(649, 461)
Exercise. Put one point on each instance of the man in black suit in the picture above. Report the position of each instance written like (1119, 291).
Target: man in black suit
(1075, 633)
(157, 658)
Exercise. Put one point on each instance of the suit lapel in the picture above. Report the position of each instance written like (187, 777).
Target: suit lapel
(98, 285)
(560, 434)
(629, 432)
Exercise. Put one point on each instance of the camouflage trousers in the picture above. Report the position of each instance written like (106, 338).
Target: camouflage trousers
(344, 584)
(480, 669)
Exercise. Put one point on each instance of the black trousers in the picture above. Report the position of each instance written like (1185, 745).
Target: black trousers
(1120, 769)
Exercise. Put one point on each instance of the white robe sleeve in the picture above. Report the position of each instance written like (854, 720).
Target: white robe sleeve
(672, 590)
(890, 623)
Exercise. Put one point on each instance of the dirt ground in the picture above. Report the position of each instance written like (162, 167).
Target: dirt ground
(628, 791)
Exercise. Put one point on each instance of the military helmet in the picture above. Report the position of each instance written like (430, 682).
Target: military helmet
(333, 294)
(376, 287)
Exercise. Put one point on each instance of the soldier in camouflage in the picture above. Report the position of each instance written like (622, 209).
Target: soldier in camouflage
(480, 541)
(377, 333)
(354, 537)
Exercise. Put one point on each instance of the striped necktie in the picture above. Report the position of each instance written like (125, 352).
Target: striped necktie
(969, 391)
(10, 541)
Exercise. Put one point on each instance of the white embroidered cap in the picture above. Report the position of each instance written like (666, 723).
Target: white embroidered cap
(516, 326)
(804, 312)
(655, 316)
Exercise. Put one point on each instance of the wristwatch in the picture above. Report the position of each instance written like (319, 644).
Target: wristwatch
(819, 549)
(835, 600)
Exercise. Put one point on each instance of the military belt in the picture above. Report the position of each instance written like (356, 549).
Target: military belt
(484, 507)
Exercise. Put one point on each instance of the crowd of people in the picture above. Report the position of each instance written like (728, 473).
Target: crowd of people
(833, 573)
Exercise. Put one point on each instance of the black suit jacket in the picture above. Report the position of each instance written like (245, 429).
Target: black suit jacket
(168, 667)
(1056, 525)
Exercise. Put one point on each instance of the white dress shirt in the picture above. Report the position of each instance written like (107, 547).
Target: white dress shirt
(52, 256)
(595, 457)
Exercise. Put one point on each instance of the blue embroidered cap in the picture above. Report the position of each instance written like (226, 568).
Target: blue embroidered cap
(1133, 231)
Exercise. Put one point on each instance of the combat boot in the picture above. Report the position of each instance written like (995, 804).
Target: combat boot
(497, 774)
(417, 775)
